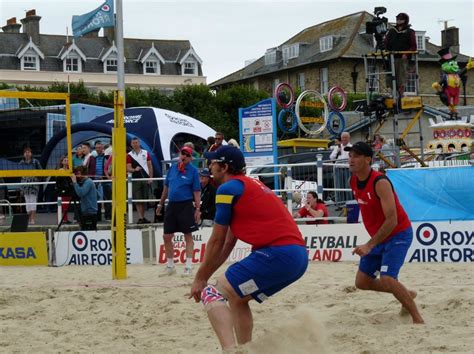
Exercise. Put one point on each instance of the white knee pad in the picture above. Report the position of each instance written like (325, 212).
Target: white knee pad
(211, 297)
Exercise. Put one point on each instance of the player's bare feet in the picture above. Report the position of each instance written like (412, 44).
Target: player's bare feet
(403, 310)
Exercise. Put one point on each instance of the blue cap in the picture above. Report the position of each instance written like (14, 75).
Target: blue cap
(205, 172)
(228, 154)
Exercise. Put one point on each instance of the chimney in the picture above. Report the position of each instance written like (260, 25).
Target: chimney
(31, 26)
(93, 34)
(450, 38)
(11, 26)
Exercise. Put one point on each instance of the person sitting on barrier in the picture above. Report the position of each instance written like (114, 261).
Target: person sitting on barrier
(313, 208)
(30, 191)
(86, 191)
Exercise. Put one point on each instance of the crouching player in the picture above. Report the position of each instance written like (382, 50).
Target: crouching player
(246, 210)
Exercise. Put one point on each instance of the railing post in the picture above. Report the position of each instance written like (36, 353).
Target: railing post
(319, 165)
(130, 198)
(60, 209)
(289, 182)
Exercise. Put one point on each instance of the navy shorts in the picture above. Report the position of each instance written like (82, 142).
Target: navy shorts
(387, 258)
(267, 270)
(179, 217)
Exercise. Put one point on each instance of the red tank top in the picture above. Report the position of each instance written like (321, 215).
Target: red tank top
(260, 219)
(371, 208)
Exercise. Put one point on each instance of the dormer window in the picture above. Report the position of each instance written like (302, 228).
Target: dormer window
(110, 65)
(190, 63)
(189, 68)
(151, 67)
(420, 40)
(72, 58)
(72, 65)
(30, 63)
(325, 44)
(270, 57)
(290, 51)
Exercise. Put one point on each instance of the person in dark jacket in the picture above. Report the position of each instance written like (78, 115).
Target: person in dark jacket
(64, 189)
(208, 198)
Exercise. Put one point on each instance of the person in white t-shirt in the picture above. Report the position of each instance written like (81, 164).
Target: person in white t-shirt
(342, 175)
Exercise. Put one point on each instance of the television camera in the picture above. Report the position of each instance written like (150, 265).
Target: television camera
(378, 27)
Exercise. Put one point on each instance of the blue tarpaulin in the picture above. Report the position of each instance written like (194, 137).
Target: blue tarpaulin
(435, 193)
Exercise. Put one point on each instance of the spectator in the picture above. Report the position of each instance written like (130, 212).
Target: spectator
(89, 159)
(181, 187)
(401, 38)
(377, 144)
(86, 191)
(195, 154)
(218, 142)
(78, 157)
(64, 189)
(107, 186)
(30, 191)
(99, 174)
(233, 142)
(341, 173)
(313, 208)
(139, 164)
(210, 141)
(208, 198)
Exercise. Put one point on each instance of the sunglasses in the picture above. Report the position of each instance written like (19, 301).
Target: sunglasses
(185, 154)
(218, 139)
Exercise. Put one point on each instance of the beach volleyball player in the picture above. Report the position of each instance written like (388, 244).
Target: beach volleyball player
(246, 210)
(389, 228)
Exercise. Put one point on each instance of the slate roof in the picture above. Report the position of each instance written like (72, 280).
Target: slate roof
(94, 48)
(349, 41)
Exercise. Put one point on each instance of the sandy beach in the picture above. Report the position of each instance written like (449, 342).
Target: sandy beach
(82, 309)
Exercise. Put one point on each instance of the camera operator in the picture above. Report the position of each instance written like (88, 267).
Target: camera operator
(86, 191)
(401, 38)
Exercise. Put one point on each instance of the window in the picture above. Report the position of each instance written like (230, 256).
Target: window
(420, 41)
(72, 65)
(111, 65)
(189, 68)
(411, 84)
(30, 62)
(301, 81)
(324, 78)
(151, 67)
(374, 84)
(291, 51)
(270, 57)
(325, 44)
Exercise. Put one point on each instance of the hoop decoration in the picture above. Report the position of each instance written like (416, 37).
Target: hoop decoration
(287, 120)
(336, 123)
(312, 113)
(284, 95)
(336, 90)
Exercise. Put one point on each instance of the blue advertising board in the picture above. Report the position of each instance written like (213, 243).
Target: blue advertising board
(258, 127)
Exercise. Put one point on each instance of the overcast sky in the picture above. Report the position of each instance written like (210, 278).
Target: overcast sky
(227, 33)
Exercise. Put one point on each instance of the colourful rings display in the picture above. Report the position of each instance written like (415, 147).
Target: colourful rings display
(331, 95)
(290, 117)
(280, 93)
(332, 119)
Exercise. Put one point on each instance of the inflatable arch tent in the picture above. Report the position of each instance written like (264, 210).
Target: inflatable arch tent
(160, 131)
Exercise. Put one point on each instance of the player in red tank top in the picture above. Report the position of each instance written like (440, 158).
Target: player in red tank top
(389, 229)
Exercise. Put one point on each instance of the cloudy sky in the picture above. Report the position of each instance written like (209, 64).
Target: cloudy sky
(227, 33)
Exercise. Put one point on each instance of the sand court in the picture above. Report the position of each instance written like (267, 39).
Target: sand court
(82, 309)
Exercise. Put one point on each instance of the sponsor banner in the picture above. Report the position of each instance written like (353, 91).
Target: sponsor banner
(432, 242)
(94, 248)
(23, 249)
(442, 242)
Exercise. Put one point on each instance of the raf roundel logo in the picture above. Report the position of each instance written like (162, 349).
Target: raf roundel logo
(105, 8)
(80, 241)
(426, 234)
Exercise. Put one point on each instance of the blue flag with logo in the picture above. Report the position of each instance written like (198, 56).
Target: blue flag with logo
(103, 16)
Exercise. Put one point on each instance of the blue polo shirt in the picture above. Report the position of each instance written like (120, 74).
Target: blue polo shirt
(181, 186)
(88, 196)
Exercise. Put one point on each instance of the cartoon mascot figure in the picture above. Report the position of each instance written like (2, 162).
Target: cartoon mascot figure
(451, 77)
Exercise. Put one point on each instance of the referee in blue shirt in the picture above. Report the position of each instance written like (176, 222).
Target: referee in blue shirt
(182, 187)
